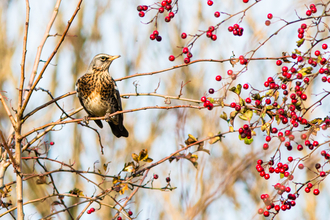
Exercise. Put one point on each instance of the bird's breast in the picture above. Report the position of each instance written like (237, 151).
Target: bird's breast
(96, 105)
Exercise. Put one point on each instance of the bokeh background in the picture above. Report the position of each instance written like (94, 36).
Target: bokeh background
(226, 185)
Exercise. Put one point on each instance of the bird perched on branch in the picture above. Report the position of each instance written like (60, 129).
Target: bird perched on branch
(99, 95)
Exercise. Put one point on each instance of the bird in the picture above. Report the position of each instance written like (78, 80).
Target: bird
(98, 94)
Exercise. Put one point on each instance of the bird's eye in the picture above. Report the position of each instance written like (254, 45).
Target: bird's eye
(103, 58)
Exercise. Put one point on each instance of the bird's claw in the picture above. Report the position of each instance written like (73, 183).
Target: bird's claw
(85, 120)
(107, 117)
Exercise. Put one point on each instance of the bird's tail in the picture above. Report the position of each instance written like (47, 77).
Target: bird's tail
(118, 130)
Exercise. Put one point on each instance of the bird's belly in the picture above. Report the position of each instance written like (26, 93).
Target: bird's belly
(95, 105)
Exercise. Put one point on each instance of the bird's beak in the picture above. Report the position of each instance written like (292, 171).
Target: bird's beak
(114, 57)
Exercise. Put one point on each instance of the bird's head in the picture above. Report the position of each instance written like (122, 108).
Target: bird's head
(102, 62)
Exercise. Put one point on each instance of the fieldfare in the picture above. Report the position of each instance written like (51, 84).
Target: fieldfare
(99, 95)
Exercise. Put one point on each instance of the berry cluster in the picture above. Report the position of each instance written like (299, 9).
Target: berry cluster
(210, 33)
(207, 103)
(236, 29)
(312, 9)
(245, 132)
(155, 35)
(141, 9)
(90, 211)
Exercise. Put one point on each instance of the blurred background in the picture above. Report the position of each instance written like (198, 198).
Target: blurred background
(226, 184)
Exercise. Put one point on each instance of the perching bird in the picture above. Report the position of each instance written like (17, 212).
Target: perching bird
(99, 95)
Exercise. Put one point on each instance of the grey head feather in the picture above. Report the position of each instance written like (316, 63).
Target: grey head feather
(102, 61)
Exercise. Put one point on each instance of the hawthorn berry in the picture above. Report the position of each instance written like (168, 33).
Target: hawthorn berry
(216, 14)
(141, 14)
(161, 10)
(168, 179)
(218, 78)
(245, 86)
(279, 62)
(229, 72)
(308, 12)
(211, 90)
(210, 3)
(183, 35)
(171, 58)
(324, 46)
(155, 176)
(130, 213)
(316, 191)
(52, 143)
(119, 218)
(186, 60)
(270, 16)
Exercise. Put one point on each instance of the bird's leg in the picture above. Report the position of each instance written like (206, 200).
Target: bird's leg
(107, 117)
(85, 120)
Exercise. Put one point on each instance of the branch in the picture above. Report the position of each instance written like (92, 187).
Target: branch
(31, 88)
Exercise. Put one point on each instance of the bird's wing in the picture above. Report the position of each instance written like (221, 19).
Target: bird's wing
(118, 106)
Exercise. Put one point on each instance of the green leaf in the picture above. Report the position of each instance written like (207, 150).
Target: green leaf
(248, 141)
(306, 70)
(300, 42)
(246, 116)
(224, 116)
(238, 89)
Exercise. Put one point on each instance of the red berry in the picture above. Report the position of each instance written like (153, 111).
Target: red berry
(317, 53)
(229, 72)
(89, 212)
(301, 166)
(210, 2)
(308, 12)
(260, 211)
(168, 179)
(51, 143)
(141, 14)
(279, 62)
(216, 14)
(245, 86)
(186, 60)
(211, 91)
(218, 78)
(130, 213)
(248, 100)
(171, 14)
(233, 104)
(159, 38)
(214, 37)
(322, 174)
(270, 16)
(266, 213)
(324, 46)
(303, 26)
(316, 191)
(161, 10)
(183, 35)
(171, 58)
(92, 210)
(185, 50)
(268, 138)
(167, 19)
(144, 7)
(119, 218)
(155, 175)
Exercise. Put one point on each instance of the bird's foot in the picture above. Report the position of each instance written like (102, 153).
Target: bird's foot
(85, 120)
(107, 117)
